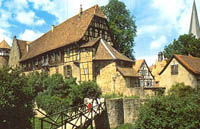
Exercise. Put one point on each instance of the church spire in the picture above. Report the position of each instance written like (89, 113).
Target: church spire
(194, 23)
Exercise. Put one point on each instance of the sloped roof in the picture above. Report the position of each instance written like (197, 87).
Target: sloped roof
(107, 52)
(138, 64)
(90, 44)
(70, 31)
(128, 72)
(4, 44)
(22, 47)
(191, 63)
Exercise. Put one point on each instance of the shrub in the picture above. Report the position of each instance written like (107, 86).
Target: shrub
(170, 112)
(181, 90)
(84, 90)
(16, 100)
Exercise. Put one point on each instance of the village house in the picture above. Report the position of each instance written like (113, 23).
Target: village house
(4, 53)
(146, 78)
(80, 47)
(180, 69)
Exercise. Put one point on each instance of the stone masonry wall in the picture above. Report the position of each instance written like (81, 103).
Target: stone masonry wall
(119, 111)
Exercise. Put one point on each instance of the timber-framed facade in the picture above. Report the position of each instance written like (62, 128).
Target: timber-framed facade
(80, 47)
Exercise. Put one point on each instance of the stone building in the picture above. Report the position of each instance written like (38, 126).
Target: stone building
(180, 69)
(146, 78)
(4, 53)
(80, 47)
(19, 48)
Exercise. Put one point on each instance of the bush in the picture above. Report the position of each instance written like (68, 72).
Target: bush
(16, 100)
(170, 112)
(84, 90)
(181, 90)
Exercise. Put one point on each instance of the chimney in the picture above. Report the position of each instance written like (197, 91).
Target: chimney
(52, 28)
(27, 47)
(81, 10)
(160, 57)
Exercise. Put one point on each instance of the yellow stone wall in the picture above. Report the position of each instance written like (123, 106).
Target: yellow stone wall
(167, 80)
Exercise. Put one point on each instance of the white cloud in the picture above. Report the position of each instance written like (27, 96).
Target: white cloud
(30, 35)
(149, 59)
(5, 35)
(63, 9)
(157, 43)
(147, 29)
(175, 14)
(4, 17)
(29, 18)
(16, 5)
(40, 22)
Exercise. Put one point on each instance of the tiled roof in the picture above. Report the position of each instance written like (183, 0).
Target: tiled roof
(138, 64)
(191, 63)
(22, 47)
(4, 44)
(128, 72)
(90, 44)
(107, 52)
(68, 32)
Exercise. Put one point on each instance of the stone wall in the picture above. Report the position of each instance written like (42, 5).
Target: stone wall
(118, 111)
(3, 61)
(14, 55)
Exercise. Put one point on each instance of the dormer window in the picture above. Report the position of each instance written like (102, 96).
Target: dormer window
(174, 69)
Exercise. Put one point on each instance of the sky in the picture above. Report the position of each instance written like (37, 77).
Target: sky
(158, 22)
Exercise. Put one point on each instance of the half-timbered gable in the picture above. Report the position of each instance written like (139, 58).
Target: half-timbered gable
(146, 78)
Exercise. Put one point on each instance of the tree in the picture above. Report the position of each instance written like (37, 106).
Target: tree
(185, 45)
(16, 100)
(122, 26)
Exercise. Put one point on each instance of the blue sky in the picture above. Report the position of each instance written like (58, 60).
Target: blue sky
(158, 22)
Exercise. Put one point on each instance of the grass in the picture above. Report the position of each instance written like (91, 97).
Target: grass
(37, 124)
(126, 126)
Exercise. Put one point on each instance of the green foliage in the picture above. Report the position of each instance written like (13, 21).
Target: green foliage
(170, 112)
(59, 93)
(54, 96)
(84, 90)
(185, 45)
(52, 104)
(122, 26)
(36, 81)
(16, 100)
(181, 90)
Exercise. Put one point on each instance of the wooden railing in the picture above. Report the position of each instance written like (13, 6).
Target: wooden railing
(79, 117)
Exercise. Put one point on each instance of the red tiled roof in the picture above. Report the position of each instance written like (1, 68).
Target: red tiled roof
(68, 32)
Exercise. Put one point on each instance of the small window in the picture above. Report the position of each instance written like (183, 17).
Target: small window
(174, 69)
(85, 71)
(68, 71)
(68, 52)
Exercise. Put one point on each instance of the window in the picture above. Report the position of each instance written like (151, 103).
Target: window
(68, 71)
(68, 52)
(174, 69)
(133, 82)
(85, 71)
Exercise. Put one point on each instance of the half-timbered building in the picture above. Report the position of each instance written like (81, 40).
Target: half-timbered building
(80, 47)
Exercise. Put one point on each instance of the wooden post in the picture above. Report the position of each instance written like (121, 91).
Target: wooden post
(41, 123)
